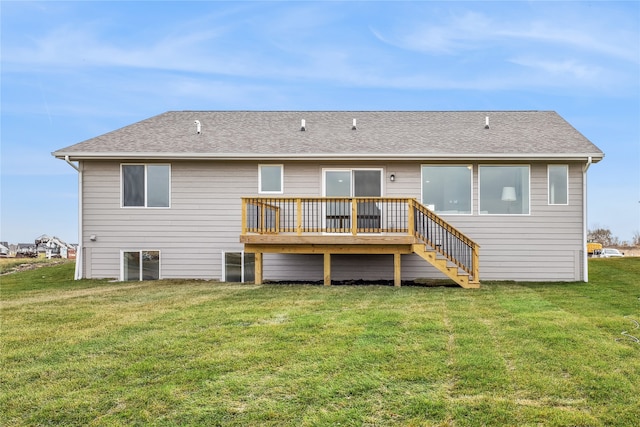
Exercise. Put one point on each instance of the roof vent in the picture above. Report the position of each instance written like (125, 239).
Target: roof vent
(353, 127)
(486, 122)
(303, 125)
(198, 127)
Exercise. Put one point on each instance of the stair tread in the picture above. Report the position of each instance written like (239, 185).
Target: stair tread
(445, 266)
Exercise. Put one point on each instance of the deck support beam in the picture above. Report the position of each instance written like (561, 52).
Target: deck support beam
(327, 269)
(258, 267)
(397, 272)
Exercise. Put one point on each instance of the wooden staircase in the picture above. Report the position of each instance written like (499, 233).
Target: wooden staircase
(445, 247)
(449, 269)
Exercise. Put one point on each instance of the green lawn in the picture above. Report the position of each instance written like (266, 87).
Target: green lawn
(205, 353)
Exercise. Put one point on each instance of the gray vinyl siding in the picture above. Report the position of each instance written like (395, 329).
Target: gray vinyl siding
(545, 245)
(205, 219)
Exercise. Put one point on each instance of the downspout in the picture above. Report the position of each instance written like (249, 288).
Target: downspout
(585, 257)
(79, 250)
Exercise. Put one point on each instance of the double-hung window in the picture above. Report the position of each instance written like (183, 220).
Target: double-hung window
(447, 189)
(504, 190)
(558, 179)
(146, 185)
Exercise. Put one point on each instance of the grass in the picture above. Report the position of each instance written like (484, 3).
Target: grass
(11, 264)
(205, 353)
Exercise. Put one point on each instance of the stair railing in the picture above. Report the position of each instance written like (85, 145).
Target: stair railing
(445, 239)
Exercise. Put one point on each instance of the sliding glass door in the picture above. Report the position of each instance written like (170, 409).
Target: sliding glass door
(352, 183)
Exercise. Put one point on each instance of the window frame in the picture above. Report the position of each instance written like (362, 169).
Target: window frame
(243, 255)
(260, 190)
(549, 202)
(469, 167)
(141, 266)
(527, 166)
(352, 178)
(146, 186)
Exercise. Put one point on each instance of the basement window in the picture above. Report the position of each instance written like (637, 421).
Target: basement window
(558, 179)
(140, 265)
(239, 267)
(146, 186)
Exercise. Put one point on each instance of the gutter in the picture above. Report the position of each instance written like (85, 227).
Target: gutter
(79, 258)
(329, 156)
(585, 257)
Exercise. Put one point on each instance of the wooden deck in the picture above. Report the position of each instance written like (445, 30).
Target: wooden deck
(381, 226)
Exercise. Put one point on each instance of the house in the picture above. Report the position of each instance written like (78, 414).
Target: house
(53, 247)
(26, 250)
(335, 195)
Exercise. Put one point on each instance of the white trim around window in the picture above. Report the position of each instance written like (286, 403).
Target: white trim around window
(504, 190)
(140, 264)
(239, 265)
(270, 179)
(449, 194)
(352, 192)
(558, 185)
(147, 186)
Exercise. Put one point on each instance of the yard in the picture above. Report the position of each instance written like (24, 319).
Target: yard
(206, 353)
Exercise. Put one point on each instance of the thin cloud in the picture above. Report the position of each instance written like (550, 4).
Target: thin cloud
(208, 46)
(568, 67)
(461, 32)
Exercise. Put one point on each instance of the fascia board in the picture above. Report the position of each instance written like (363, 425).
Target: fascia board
(323, 156)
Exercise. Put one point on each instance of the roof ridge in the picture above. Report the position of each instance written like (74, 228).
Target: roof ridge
(361, 111)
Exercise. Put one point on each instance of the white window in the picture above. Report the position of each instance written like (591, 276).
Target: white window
(504, 190)
(270, 179)
(140, 265)
(146, 185)
(447, 189)
(558, 178)
(238, 267)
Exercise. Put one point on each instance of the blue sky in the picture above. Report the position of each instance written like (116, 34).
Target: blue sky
(75, 70)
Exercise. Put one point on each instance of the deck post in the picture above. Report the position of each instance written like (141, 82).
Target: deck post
(244, 215)
(411, 222)
(397, 275)
(476, 263)
(327, 269)
(299, 217)
(258, 272)
(354, 217)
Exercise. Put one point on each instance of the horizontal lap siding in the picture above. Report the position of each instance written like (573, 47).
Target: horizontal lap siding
(543, 246)
(205, 219)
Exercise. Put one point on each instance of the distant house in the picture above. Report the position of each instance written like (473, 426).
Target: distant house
(26, 250)
(335, 195)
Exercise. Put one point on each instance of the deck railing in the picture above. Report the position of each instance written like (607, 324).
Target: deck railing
(359, 215)
(277, 215)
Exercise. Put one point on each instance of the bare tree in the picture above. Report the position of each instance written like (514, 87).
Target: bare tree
(604, 236)
(635, 240)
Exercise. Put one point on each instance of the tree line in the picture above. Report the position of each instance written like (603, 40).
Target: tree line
(606, 238)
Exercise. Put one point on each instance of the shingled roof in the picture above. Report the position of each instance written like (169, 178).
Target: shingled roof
(416, 135)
